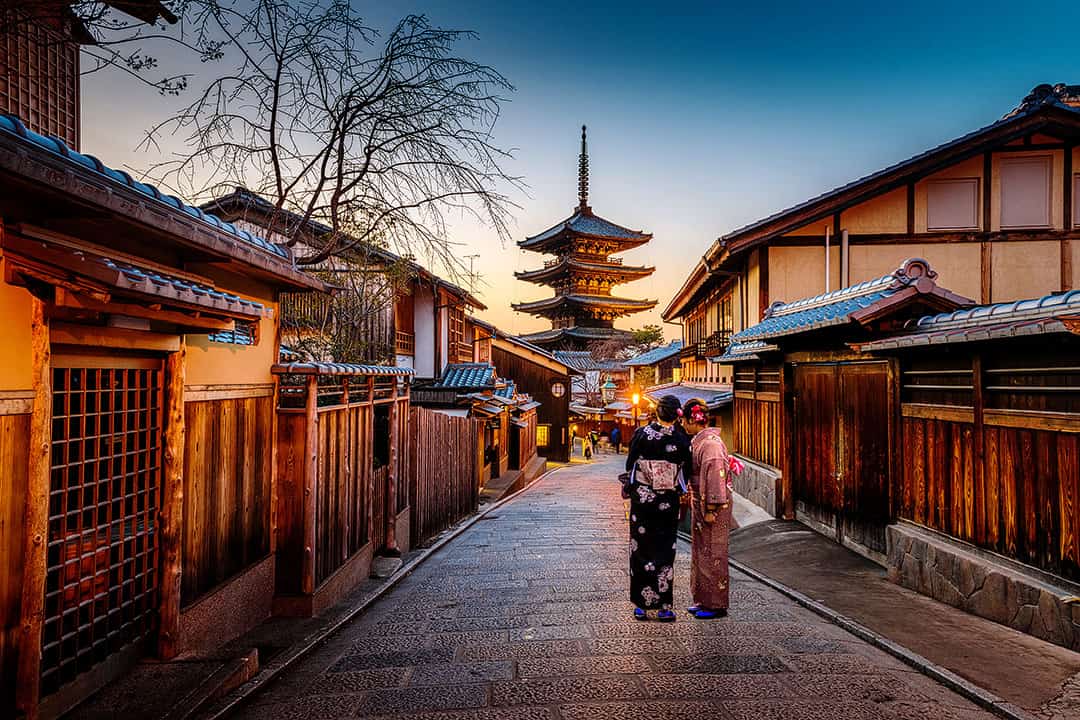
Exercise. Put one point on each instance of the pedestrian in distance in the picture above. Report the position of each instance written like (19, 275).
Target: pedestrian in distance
(658, 461)
(615, 438)
(710, 514)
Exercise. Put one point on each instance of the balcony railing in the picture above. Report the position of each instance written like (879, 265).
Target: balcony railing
(689, 352)
(405, 343)
(717, 343)
(463, 352)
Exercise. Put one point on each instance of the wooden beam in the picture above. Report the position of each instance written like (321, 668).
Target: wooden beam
(987, 190)
(986, 273)
(28, 680)
(109, 337)
(194, 319)
(170, 529)
(392, 474)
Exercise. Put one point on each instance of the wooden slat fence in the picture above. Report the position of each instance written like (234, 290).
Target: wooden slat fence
(227, 502)
(445, 461)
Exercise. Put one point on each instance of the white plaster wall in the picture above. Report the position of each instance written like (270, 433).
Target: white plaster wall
(424, 324)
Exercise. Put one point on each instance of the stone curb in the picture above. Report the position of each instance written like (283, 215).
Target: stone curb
(291, 657)
(981, 697)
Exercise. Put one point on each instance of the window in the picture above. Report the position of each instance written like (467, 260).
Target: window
(543, 435)
(558, 389)
(952, 204)
(1025, 192)
(243, 333)
(676, 374)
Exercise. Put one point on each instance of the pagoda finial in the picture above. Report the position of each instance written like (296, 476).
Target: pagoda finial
(583, 174)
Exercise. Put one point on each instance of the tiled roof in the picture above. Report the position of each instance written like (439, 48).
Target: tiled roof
(577, 333)
(656, 355)
(714, 397)
(1061, 95)
(586, 223)
(843, 306)
(467, 375)
(14, 126)
(559, 301)
(507, 390)
(745, 351)
(1038, 316)
(577, 359)
(332, 368)
(242, 200)
(150, 282)
(567, 264)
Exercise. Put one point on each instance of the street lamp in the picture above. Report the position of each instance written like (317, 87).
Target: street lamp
(608, 390)
(635, 398)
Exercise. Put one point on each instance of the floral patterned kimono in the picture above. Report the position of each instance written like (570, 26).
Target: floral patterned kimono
(654, 516)
(712, 489)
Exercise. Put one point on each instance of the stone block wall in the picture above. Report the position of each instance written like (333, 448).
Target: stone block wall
(760, 484)
(984, 585)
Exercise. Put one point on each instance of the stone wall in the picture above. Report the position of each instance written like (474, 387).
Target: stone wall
(984, 584)
(760, 484)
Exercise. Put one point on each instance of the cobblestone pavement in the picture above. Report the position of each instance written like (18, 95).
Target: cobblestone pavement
(525, 616)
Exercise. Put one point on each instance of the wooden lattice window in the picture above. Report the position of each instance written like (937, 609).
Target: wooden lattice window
(941, 380)
(543, 435)
(101, 589)
(39, 80)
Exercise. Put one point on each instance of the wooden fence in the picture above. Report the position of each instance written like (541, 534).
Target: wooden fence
(446, 464)
(340, 431)
(757, 414)
(227, 499)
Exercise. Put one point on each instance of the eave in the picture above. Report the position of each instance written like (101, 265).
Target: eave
(557, 302)
(562, 267)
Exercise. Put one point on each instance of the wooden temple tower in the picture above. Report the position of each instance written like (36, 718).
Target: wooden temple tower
(583, 310)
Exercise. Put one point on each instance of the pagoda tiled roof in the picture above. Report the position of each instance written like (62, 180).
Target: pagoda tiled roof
(568, 264)
(583, 223)
(545, 337)
(560, 301)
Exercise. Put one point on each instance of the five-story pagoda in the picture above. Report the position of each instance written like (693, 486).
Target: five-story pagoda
(583, 310)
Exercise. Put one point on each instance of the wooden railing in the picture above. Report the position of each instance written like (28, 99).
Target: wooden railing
(405, 343)
(463, 351)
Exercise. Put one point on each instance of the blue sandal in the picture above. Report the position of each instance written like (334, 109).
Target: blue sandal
(707, 614)
(640, 614)
(665, 616)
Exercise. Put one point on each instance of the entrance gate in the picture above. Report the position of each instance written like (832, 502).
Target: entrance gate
(842, 425)
(101, 589)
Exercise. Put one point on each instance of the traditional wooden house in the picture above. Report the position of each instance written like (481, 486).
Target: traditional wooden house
(944, 446)
(658, 366)
(138, 421)
(994, 211)
(409, 316)
(582, 274)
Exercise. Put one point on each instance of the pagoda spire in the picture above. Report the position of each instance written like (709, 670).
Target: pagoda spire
(583, 174)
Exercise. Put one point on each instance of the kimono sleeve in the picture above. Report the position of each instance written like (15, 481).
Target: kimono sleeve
(712, 473)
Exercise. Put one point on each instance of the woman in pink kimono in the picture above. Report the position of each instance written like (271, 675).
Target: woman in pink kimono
(710, 514)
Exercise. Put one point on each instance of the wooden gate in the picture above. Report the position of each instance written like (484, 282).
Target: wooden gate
(843, 421)
(101, 590)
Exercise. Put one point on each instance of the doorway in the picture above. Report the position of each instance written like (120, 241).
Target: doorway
(843, 423)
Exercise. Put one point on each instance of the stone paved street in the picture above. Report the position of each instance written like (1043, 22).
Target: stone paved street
(525, 616)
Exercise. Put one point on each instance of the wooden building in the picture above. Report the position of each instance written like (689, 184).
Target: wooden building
(582, 274)
(137, 421)
(411, 317)
(994, 211)
(658, 366)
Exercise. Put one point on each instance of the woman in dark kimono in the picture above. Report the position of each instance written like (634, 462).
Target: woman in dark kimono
(658, 461)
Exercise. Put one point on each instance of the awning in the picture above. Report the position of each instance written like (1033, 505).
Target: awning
(519, 423)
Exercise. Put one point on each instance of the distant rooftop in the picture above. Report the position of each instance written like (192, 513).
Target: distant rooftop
(656, 355)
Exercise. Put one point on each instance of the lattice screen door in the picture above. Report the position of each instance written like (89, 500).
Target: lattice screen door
(101, 589)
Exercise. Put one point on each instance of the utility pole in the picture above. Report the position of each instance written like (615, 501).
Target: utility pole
(472, 274)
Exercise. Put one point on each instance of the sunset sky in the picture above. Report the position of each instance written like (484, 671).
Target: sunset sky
(702, 117)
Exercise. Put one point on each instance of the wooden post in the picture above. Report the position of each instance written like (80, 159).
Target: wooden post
(311, 460)
(171, 519)
(368, 465)
(28, 680)
(391, 490)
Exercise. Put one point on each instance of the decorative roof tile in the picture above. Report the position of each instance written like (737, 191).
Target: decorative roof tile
(332, 368)
(740, 351)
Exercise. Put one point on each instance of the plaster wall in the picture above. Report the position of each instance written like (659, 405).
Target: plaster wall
(883, 214)
(957, 264)
(424, 322)
(16, 372)
(799, 272)
(1025, 269)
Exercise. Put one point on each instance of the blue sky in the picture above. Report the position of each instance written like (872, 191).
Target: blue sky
(702, 116)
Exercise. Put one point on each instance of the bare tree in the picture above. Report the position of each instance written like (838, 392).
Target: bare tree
(378, 138)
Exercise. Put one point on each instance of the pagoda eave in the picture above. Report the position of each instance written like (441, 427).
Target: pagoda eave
(622, 273)
(557, 242)
(576, 334)
(594, 303)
